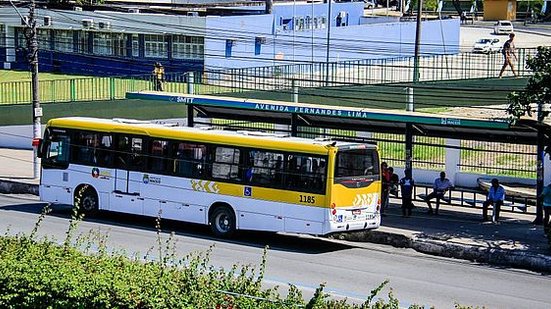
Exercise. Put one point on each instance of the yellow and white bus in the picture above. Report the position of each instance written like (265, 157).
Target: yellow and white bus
(230, 180)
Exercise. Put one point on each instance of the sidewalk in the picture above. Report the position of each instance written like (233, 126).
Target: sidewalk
(16, 171)
(457, 232)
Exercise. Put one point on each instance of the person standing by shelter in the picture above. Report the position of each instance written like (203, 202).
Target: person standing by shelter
(546, 195)
(385, 184)
(406, 186)
(508, 52)
(158, 76)
(496, 195)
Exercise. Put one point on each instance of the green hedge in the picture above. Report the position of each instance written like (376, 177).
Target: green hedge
(82, 273)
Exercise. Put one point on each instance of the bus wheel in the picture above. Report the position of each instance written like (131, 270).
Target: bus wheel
(86, 199)
(222, 222)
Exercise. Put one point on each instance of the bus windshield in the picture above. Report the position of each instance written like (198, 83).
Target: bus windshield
(357, 167)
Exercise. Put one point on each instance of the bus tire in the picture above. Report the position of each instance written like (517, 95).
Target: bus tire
(222, 222)
(86, 198)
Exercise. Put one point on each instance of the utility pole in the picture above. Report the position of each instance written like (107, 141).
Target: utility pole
(540, 168)
(32, 44)
(329, 20)
(411, 99)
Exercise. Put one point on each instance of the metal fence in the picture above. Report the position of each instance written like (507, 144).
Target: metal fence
(346, 73)
(476, 157)
(366, 72)
(498, 159)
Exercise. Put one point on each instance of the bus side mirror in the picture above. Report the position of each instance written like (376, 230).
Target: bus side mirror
(39, 144)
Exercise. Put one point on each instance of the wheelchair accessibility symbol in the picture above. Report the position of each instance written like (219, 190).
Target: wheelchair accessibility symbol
(247, 191)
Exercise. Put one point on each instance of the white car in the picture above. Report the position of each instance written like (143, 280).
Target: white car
(487, 46)
(368, 4)
(503, 27)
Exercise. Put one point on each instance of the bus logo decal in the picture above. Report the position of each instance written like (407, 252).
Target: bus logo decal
(365, 199)
(204, 186)
(248, 191)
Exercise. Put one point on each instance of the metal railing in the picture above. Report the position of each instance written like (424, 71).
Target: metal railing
(269, 78)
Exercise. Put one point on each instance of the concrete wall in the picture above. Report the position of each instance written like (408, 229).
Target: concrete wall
(368, 41)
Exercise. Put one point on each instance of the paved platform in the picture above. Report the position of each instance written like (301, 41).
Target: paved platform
(456, 232)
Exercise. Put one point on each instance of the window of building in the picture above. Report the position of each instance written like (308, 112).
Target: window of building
(135, 45)
(155, 46)
(103, 43)
(83, 44)
(2, 35)
(187, 47)
(44, 39)
(63, 40)
(119, 44)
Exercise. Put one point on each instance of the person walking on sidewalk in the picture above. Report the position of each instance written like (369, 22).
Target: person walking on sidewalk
(440, 187)
(385, 184)
(406, 186)
(546, 195)
(496, 195)
(508, 52)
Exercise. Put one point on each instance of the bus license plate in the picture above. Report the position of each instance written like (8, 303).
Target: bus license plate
(356, 212)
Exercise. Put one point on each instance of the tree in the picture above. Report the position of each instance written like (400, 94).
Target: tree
(536, 95)
(538, 89)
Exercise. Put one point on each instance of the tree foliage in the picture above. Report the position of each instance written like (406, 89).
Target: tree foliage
(538, 89)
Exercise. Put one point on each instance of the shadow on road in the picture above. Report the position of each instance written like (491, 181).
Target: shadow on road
(275, 241)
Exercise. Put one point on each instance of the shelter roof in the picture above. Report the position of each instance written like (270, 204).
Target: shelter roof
(354, 118)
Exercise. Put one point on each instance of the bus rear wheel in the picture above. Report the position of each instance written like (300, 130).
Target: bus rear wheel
(222, 222)
(87, 201)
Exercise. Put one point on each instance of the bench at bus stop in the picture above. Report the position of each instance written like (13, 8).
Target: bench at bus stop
(469, 197)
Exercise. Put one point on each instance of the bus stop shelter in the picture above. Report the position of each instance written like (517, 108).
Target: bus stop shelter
(410, 124)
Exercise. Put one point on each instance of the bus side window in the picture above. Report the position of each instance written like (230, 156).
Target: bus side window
(136, 153)
(157, 156)
(122, 152)
(105, 151)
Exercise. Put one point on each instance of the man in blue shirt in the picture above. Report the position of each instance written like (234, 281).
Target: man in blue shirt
(496, 195)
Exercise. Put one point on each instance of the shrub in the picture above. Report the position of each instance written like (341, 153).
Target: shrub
(45, 274)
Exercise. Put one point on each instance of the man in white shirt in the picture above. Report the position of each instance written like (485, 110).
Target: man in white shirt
(440, 187)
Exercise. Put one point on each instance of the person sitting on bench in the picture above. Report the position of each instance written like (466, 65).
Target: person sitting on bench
(496, 195)
(440, 187)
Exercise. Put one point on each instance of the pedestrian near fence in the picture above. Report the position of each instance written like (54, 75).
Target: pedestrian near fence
(508, 51)
(406, 186)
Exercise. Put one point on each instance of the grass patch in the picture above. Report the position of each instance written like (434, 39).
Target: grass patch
(134, 109)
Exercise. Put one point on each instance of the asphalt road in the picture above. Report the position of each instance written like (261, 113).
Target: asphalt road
(307, 261)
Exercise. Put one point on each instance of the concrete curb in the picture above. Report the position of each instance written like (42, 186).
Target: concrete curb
(481, 254)
(13, 187)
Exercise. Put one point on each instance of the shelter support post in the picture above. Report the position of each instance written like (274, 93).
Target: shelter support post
(190, 115)
(294, 124)
(409, 146)
(539, 180)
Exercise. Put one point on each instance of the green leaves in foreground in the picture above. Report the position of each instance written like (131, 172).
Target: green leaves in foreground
(82, 273)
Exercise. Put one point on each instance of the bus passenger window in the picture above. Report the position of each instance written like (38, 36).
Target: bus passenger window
(157, 156)
(122, 153)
